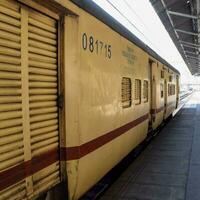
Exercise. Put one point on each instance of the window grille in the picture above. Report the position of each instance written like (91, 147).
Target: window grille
(161, 90)
(162, 74)
(170, 78)
(145, 91)
(138, 91)
(126, 92)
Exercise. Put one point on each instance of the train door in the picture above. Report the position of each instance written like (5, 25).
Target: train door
(177, 90)
(29, 131)
(165, 97)
(152, 93)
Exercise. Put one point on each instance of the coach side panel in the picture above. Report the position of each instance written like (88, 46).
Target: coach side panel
(112, 107)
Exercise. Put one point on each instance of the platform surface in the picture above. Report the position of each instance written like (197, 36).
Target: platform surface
(169, 168)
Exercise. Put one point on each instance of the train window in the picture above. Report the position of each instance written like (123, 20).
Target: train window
(126, 92)
(173, 89)
(162, 73)
(137, 91)
(145, 91)
(169, 90)
(161, 90)
(170, 78)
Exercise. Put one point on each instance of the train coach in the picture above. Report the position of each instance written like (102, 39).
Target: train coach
(78, 92)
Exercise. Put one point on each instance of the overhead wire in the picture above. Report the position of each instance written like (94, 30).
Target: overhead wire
(130, 22)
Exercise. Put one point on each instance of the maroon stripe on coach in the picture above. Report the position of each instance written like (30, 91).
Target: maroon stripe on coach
(15, 174)
(73, 153)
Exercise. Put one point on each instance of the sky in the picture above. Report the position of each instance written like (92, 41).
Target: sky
(141, 19)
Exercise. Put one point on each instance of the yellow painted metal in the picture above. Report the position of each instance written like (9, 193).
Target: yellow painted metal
(9, 60)
(11, 130)
(44, 26)
(44, 136)
(9, 36)
(48, 183)
(43, 84)
(40, 71)
(13, 192)
(11, 154)
(44, 124)
(33, 77)
(93, 97)
(10, 139)
(44, 143)
(43, 173)
(43, 61)
(42, 32)
(11, 115)
(10, 68)
(9, 83)
(42, 58)
(10, 28)
(43, 117)
(9, 99)
(44, 19)
(9, 51)
(44, 110)
(43, 104)
(46, 129)
(11, 146)
(42, 39)
(42, 98)
(43, 91)
(42, 52)
(28, 94)
(9, 20)
(10, 44)
(44, 149)
(11, 162)
(93, 104)
(9, 75)
(42, 65)
(10, 123)
(10, 10)
(42, 45)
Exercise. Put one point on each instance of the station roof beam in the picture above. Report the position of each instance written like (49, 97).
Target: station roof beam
(181, 19)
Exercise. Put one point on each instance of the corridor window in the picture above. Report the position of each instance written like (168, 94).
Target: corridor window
(162, 73)
(126, 92)
(161, 90)
(137, 91)
(145, 91)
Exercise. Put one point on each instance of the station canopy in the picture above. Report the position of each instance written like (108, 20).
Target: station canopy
(181, 19)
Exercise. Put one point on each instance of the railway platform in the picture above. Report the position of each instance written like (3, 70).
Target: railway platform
(169, 167)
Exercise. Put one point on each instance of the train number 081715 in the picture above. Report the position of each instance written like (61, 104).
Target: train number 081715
(96, 46)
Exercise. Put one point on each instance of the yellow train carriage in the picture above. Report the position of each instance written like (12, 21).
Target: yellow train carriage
(108, 107)
(76, 95)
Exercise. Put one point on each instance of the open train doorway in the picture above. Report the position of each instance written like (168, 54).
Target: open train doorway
(165, 97)
(152, 100)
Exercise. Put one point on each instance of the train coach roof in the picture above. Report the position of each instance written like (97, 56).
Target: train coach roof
(99, 13)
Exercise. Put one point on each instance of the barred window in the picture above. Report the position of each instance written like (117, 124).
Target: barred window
(170, 78)
(126, 92)
(145, 91)
(138, 91)
(171, 89)
(161, 90)
(162, 74)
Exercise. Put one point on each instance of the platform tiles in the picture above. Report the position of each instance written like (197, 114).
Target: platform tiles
(169, 168)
